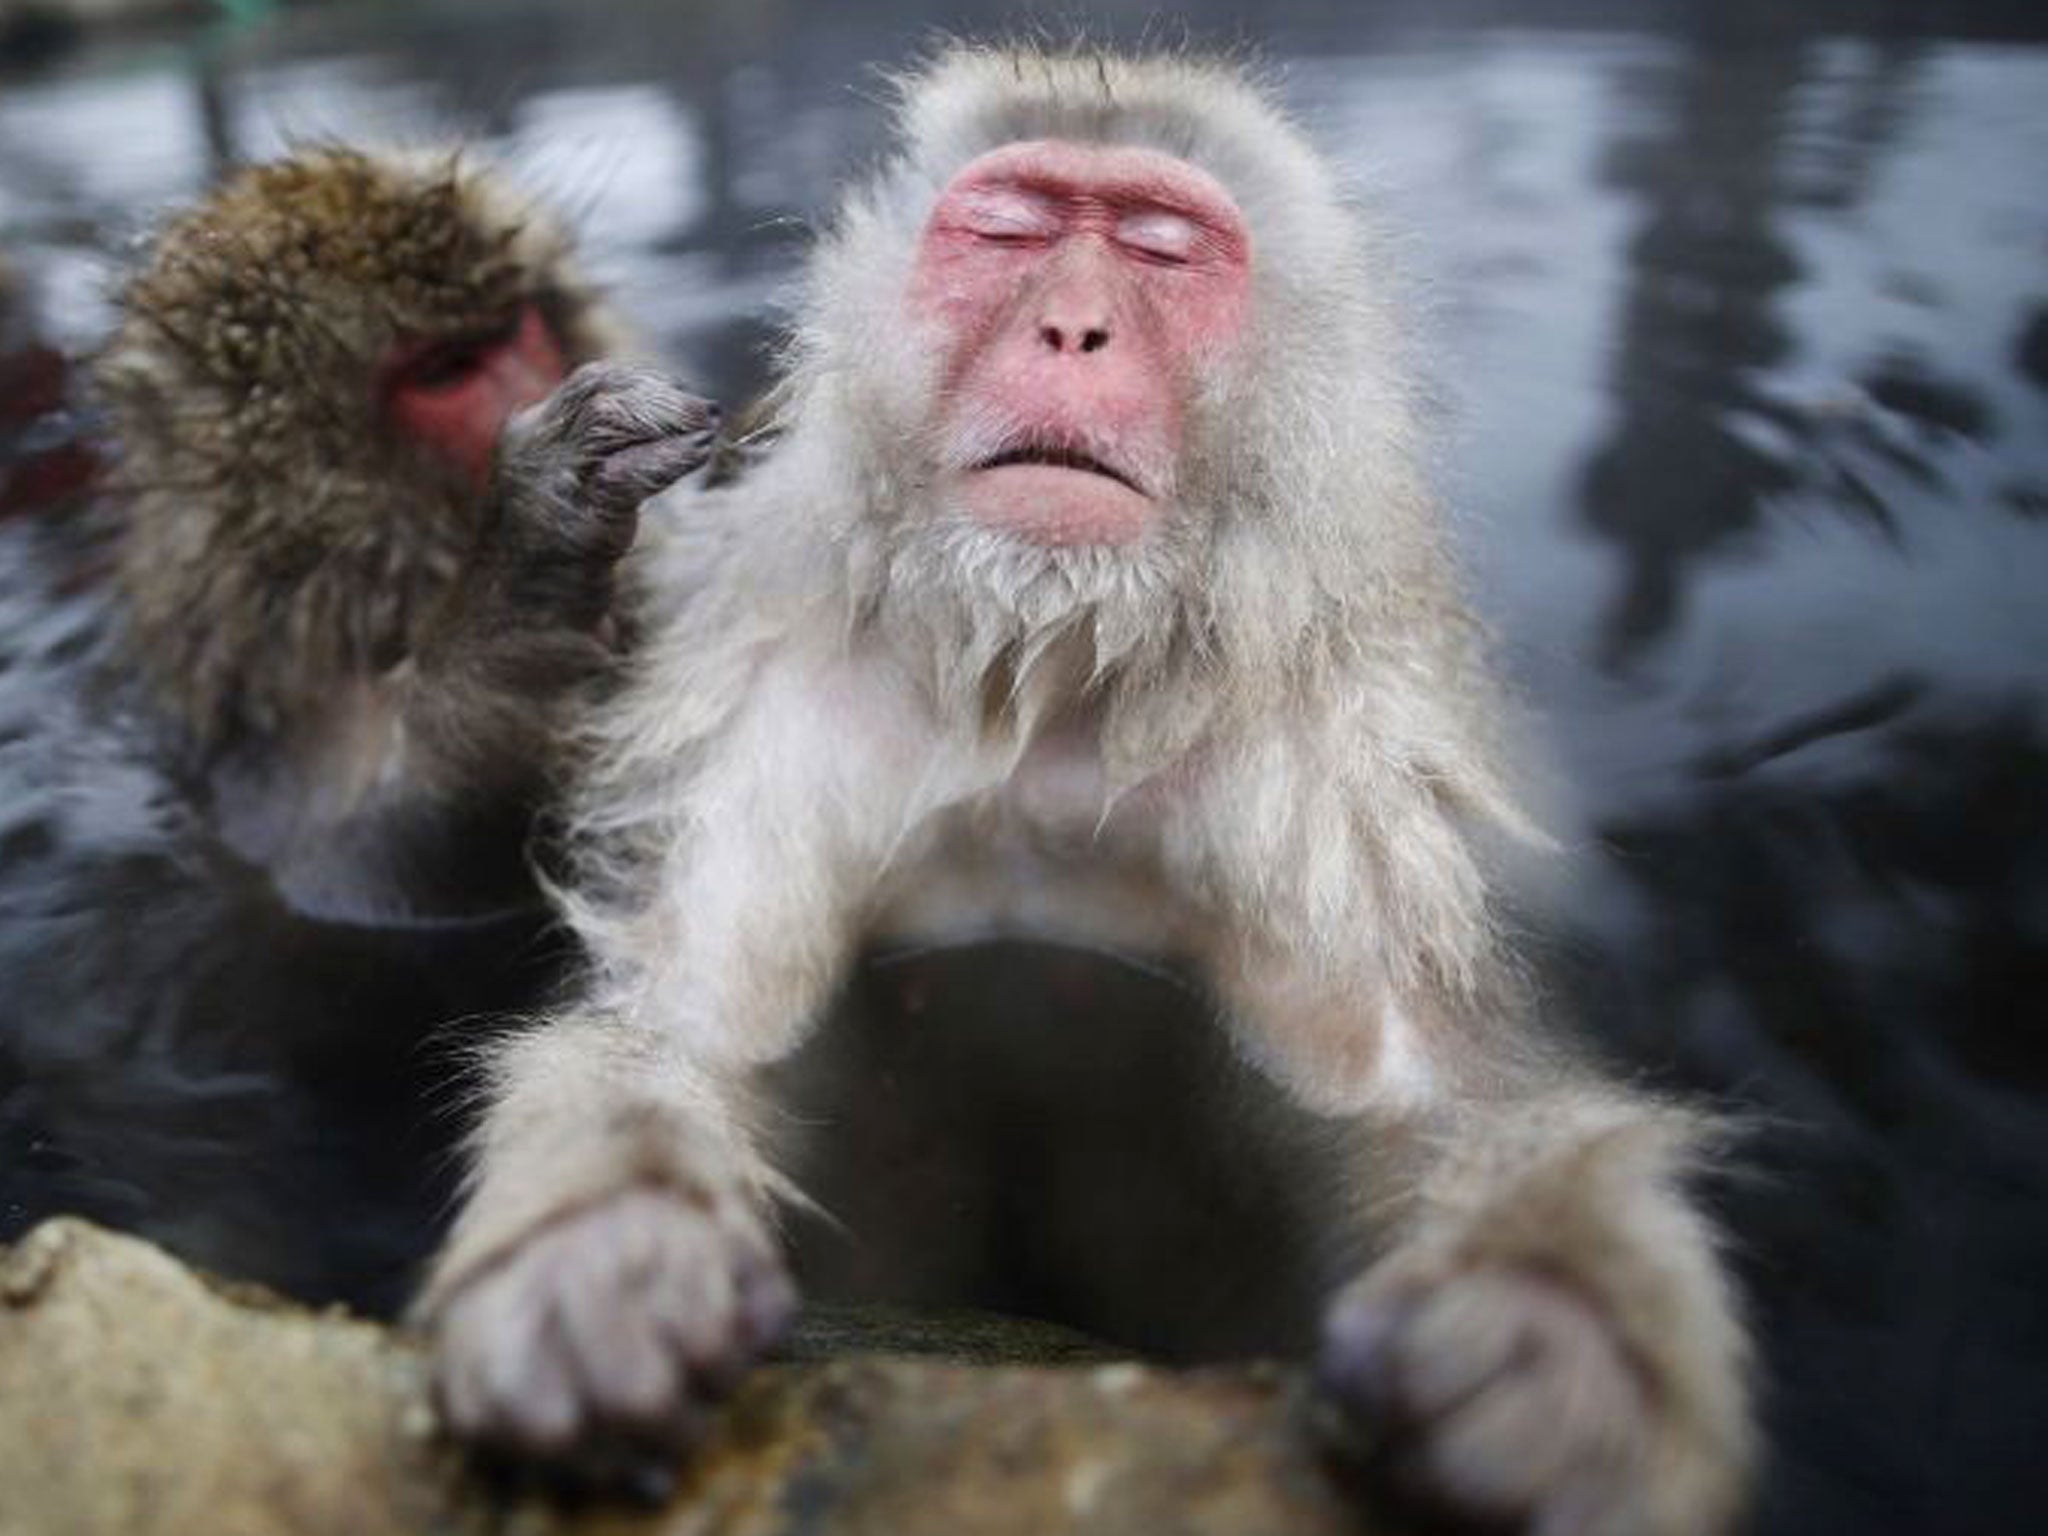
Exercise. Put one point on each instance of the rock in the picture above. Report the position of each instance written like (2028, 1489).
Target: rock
(139, 1397)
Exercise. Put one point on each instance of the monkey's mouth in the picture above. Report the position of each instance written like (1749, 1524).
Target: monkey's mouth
(1062, 458)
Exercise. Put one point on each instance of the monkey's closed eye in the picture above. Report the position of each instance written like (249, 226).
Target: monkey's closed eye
(1004, 217)
(445, 364)
(1167, 238)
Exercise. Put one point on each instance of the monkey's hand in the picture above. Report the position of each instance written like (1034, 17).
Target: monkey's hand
(1507, 1395)
(571, 475)
(596, 1346)
(535, 620)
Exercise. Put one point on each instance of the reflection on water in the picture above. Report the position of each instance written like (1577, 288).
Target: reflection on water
(1674, 479)
(1744, 318)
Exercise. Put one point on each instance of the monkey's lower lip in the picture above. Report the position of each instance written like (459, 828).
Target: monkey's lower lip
(1061, 458)
(1056, 504)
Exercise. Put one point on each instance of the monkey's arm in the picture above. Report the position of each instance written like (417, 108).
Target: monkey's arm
(1548, 1334)
(1545, 1335)
(611, 1270)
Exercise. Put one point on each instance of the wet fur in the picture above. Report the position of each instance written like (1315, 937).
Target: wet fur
(369, 663)
(1262, 742)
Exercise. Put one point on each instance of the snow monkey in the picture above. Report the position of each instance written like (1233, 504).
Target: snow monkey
(365, 620)
(1094, 590)
(280, 694)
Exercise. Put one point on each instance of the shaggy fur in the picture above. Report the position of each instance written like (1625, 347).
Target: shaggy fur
(1261, 740)
(277, 538)
(366, 658)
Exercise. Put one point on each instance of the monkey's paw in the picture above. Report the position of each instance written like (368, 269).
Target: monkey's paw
(1500, 1397)
(597, 1347)
(576, 467)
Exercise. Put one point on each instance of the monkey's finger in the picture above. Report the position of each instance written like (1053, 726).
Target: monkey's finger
(1463, 1335)
(642, 406)
(619, 1362)
(612, 403)
(505, 1382)
(1355, 1364)
(630, 475)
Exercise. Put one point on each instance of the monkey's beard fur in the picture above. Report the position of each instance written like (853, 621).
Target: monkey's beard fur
(986, 609)
(1012, 632)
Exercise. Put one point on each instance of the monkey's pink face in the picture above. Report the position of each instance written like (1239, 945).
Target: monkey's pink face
(1076, 292)
(453, 397)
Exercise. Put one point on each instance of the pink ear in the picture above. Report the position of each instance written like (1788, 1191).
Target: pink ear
(454, 398)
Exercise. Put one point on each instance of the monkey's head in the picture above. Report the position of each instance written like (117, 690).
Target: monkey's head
(306, 386)
(1105, 350)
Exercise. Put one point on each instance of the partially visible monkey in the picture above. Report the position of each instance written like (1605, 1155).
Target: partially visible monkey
(365, 634)
(1095, 590)
(282, 700)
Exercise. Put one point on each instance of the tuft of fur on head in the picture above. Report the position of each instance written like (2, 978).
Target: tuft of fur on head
(275, 537)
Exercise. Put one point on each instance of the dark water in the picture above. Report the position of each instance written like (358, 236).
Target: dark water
(1742, 313)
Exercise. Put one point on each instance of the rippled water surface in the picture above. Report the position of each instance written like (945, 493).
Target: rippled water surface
(1742, 326)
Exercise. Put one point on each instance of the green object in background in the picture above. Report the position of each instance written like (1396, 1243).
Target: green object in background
(245, 10)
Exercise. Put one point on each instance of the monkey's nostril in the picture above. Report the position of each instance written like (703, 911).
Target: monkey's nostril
(1093, 339)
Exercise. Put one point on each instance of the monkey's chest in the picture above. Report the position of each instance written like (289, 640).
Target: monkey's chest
(1058, 801)
(1049, 852)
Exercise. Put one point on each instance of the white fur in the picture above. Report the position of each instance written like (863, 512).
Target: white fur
(1262, 739)
(1287, 646)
